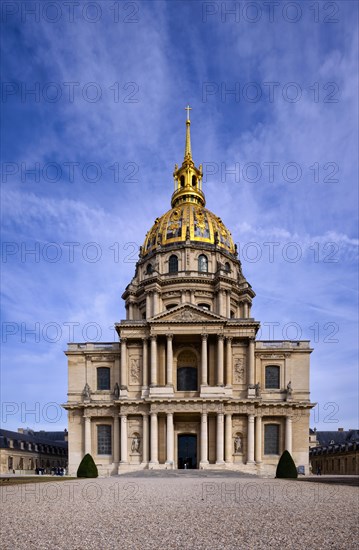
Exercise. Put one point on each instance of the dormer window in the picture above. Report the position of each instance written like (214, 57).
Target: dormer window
(149, 269)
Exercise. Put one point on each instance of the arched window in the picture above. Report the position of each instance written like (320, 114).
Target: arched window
(202, 263)
(204, 306)
(187, 372)
(173, 264)
(194, 181)
(272, 377)
(104, 444)
(182, 181)
(171, 306)
(271, 439)
(103, 378)
(149, 269)
(227, 267)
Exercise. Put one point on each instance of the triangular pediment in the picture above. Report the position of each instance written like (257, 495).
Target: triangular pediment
(187, 313)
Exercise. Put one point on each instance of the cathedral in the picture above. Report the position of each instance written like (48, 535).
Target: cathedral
(188, 385)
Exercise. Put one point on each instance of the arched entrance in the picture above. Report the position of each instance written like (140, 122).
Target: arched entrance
(187, 451)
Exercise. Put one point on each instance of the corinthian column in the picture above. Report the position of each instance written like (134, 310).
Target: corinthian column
(169, 360)
(220, 433)
(220, 361)
(204, 380)
(87, 442)
(288, 434)
(124, 363)
(229, 362)
(153, 361)
(154, 439)
(228, 439)
(251, 361)
(258, 439)
(170, 436)
(204, 438)
(124, 454)
(250, 444)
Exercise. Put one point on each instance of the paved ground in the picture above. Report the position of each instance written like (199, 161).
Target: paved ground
(186, 511)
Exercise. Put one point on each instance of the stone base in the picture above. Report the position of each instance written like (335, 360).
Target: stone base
(215, 391)
(135, 458)
(161, 391)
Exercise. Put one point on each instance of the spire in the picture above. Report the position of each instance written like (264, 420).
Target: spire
(188, 151)
(188, 178)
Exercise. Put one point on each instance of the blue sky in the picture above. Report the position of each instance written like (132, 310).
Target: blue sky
(101, 133)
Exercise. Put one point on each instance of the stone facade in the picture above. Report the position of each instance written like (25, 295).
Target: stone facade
(188, 385)
(24, 451)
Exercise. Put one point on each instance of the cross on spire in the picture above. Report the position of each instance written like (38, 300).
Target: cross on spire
(188, 109)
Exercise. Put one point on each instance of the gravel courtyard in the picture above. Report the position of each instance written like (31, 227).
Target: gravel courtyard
(179, 512)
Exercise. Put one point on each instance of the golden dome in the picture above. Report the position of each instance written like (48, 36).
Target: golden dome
(188, 220)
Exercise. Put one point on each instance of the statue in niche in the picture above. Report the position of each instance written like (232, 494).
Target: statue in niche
(86, 392)
(238, 444)
(289, 388)
(116, 391)
(258, 389)
(135, 445)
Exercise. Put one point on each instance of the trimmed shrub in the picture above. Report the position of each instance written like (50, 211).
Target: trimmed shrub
(286, 467)
(87, 467)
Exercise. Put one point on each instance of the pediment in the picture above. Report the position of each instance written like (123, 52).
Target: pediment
(187, 313)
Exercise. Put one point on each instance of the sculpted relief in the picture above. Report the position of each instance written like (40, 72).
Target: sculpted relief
(239, 370)
(135, 373)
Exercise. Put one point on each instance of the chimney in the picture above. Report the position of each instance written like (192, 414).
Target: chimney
(20, 430)
(340, 429)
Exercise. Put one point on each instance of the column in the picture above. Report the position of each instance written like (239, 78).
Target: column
(220, 361)
(145, 439)
(153, 361)
(258, 439)
(124, 363)
(144, 362)
(87, 441)
(124, 457)
(170, 437)
(148, 305)
(229, 362)
(288, 434)
(245, 310)
(192, 296)
(220, 434)
(154, 439)
(219, 302)
(228, 439)
(116, 438)
(251, 361)
(250, 439)
(228, 304)
(169, 365)
(155, 302)
(130, 311)
(204, 376)
(183, 297)
(204, 438)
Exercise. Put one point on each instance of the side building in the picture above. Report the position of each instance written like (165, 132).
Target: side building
(336, 453)
(24, 451)
(188, 385)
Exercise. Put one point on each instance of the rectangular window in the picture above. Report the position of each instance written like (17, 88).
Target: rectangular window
(272, 377)
(104, 444)
(103, 378)
(271, 439)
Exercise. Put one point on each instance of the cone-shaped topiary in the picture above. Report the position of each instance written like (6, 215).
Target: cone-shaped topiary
(286, 467)
(87, 467)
